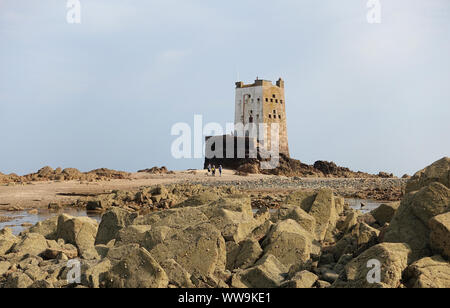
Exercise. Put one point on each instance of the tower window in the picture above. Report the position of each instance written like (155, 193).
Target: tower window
(271, 100)
(279, 116)
(281, 101)
(273, 96)
(267, 100)
(274, 112)
(270, 116)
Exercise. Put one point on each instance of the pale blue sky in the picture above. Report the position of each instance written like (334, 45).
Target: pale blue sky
(105, 93)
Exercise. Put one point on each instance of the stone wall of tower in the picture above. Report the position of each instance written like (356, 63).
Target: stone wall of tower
(248, 106)
(274, 111)
(263, 102)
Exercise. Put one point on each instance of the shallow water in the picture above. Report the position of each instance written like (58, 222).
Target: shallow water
(370, 205)
(23, 217)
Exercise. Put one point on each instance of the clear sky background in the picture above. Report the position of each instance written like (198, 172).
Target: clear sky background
(106, 92)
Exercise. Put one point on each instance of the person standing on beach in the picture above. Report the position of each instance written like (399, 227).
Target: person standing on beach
(214, 170)
(220, 170)
(209, 169)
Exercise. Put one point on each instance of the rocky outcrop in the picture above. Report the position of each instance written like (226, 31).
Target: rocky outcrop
(439, 172)
(68, 174)
(410, 223)
(156, 170)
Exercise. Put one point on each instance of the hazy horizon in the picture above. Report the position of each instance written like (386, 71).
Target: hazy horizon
(106, 92)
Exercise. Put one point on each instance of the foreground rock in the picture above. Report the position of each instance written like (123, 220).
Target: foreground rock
(79, 231)
(437, 172)
(393, 259)
(288, 242)
(410, 223)
(440, 234)
(430, 272)
(134, 267)
(267, 273)
(385, 212)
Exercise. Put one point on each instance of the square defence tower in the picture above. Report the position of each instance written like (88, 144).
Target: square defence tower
(262, 102)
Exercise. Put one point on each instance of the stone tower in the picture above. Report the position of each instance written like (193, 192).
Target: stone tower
(262, 103)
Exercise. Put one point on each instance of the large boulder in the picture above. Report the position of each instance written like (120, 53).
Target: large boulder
(393, 259)
(349, 222)
(112, 222)
(410, 223)
(385, 212)
(7, 240)
(324, 211)
(174, 218)
(134, 267)
(199, 249)
(302, 198)
(430, 272)
(78, 231)
(268, 272)
(321, 205)
(47, 228)
(440, 234)
(202, 198)
(296, 213)
(288, 242)
(301, 280)
(18, 280)
(32, 244)
(439, 171)
(4, 267)
(177, 275)
(95, 275)
(233, 216)
(360, 239)
(243, 255)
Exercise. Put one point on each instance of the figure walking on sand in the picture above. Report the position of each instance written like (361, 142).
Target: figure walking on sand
(209, 169)
(214, 170)
(220, 170)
